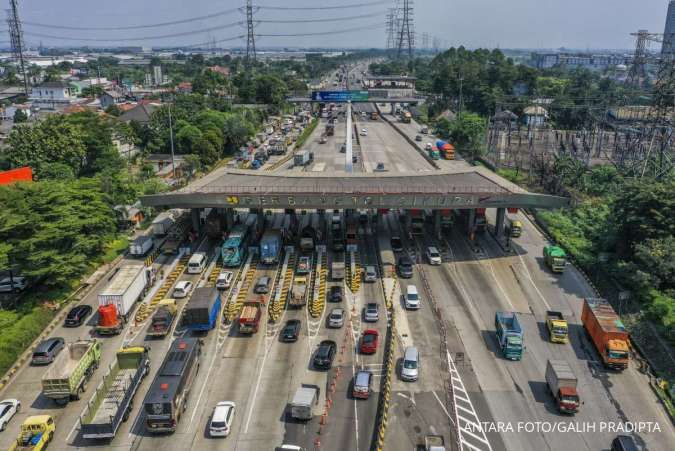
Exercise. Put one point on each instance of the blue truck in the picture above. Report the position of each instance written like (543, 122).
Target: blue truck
(201, 312)
(270, 247)
(509, 335)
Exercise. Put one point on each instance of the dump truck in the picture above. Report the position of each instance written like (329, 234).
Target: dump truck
(73, 367)
(406, 117)
(141, 245)
(434, 443)
(201, 312)
(298, 297)
(35, 434)
(162, 223)
(509, 335)
(607, 332)
(555, 258)
(557, 327)
(515, 228)
(112, 402)
(177, 235)
(434, 153)
(163, 318)
(249, 318)
(304, 400)
(117, 299)
(562, 383)
(337, 267)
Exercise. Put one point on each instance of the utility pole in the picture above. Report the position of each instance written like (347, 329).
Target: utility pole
(406, 39)
(250, 36)
(173, 156)
(459, 107)
(16, 40)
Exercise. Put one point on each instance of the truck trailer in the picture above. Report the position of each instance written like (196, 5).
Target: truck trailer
(163, 318)
(201, 312)
(304, 400)
(111, 404)
(249, 318)
(555, 258)
(270, 247)
(607, 332)
(509, 335)
(70, 371)
(141, 245)
(562, 383)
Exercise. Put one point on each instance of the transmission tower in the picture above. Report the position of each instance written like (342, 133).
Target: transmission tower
(658, 161)
(425, 41)
(16, 40)
(250, 39)
(406, 39)
(637, 71)
(390, 24)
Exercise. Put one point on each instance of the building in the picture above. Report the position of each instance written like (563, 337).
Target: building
(140, 113)
(184, 87)
(584, 60)
(535, 115)
(51, 93)
(669, 31)
(111, 97)
(225, 71)
(157, 75)
(148, 79)
(7, 113)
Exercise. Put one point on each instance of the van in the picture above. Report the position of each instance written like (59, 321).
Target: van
(433, 256)
(262, 285)
(47, 350)
(411, 364)
(412, 298)
(224, 280)
(197, 263)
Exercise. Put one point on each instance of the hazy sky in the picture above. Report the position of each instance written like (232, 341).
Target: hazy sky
(504, 23)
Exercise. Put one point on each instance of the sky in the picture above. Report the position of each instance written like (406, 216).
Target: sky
(577, 24)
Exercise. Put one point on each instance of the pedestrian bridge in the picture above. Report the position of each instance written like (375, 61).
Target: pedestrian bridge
(474, 187)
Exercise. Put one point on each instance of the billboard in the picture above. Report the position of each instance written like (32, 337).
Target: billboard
(340, 96)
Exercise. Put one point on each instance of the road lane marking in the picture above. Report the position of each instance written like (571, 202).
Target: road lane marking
(529, 277)
(442, 406)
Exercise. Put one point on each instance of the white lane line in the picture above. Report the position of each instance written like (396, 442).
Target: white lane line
(499, 285)
(206, 382)
(356, 414)
(442, 406)
(529, 277)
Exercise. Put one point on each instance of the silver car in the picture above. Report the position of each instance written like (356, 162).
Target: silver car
(411, 364)
(372, 312)
(370, 274)
(336, 318)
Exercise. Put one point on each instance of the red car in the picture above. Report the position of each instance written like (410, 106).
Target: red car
(369, 341)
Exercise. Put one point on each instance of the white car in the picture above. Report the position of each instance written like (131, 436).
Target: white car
(182, 289)
(411, 298)
(370, 275)
(433, 256)
(221, 420)
(8, 408)
(224, 279)
(364, 132)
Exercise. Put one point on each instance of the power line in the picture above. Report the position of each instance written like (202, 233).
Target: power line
(313, 8)
(134, 27)
(321, 33)
(334, 19)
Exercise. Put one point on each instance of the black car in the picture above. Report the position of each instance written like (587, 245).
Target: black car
(323, 359)
(405, 267)
(335, 294)
(291, 330)
(624, 443)
(396, 244)
(77, 315)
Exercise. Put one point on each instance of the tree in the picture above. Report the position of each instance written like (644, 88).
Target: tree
(237, 131)
(113, 110)
(193, 164)
(93, 91)
(20, 116)
(186, 137)
(467, 132)
(270, 89)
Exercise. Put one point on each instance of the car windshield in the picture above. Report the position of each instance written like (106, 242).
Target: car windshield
(218, 424)
(618, 355)
(371, 307)
(412, 296)
(409, 364)
(369, 338)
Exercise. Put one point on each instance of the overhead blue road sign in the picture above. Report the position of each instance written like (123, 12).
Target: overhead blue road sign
(340, 96)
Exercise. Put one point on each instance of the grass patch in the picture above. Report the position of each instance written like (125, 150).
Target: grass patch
(113, 249)
(306, 132)
(514, 176)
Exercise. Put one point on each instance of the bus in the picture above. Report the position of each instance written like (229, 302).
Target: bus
(168, 395)
(235, 248)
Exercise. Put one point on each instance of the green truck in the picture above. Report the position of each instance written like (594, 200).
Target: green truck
(555, 258)
(67, 378)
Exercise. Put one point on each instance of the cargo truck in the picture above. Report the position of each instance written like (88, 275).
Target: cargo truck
(509, 335)
(434, 443)
(71, 370)
(249, 318)
(562, 383)
(270, 247)
(434, 153)
(162, 223)
(607, 332)
(406, 117)
(141, 245)
(480, 220)
(337, 267)
(35, 434)
(417, 222)
(446, 150)
(302, 158)
(201, 312)
(298, 297)
(557, 327)
(112, 402)
(304, 400)
(555, 258)
(163, 318)
(117, 300)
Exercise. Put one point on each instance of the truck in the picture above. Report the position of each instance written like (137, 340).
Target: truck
(35, 434)
(555, 258)
(480, 220)
(509, 335)
(112, 402)
(304, 265)
(162, 223)
(406, 117)
(607, 332)
(302, 158)
(374, 116)
(304, 400)
(141, 245)
(515, 228)
(270, 246)
(163, 318)
(562, 383)
(446, 149)
(434, 443)
(417, 222)
(249, 318)
(447, 219)
(337, 267)
(557, 327)
(201, 312)
(330, 129)
(298, 296)
(215, 224)
(73, 367)
(117, 300)
(434, 154)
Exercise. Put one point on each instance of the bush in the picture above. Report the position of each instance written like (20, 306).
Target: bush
(17, 336)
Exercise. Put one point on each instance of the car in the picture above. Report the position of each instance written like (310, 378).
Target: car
(336, 318)
(624, 443)
(15, 284)
(355, 159)
(221, 420)
(224, 280)
(182, 289)
(291, 330)
(411, 298)
(335, 294)
(418, 137)
(262, 286)
(364, 132)
(411, 364)
(47, 350)
(77, 315)
(433, 256)
(370, 274)
(325, 353)
(379, 167)
(8, 408)
(405, 267)
(368, 343)
(304, 265)
(428, 146)
(343, 148)
(363, 381)
(323, 140)
(396, 244)
(363, 114)
(371, 312)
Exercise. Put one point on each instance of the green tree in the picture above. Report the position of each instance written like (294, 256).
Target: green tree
(186, 137)
(237, 131)
(20, 116)
(467, 132)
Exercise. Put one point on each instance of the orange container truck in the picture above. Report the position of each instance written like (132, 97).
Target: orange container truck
(607, 332)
